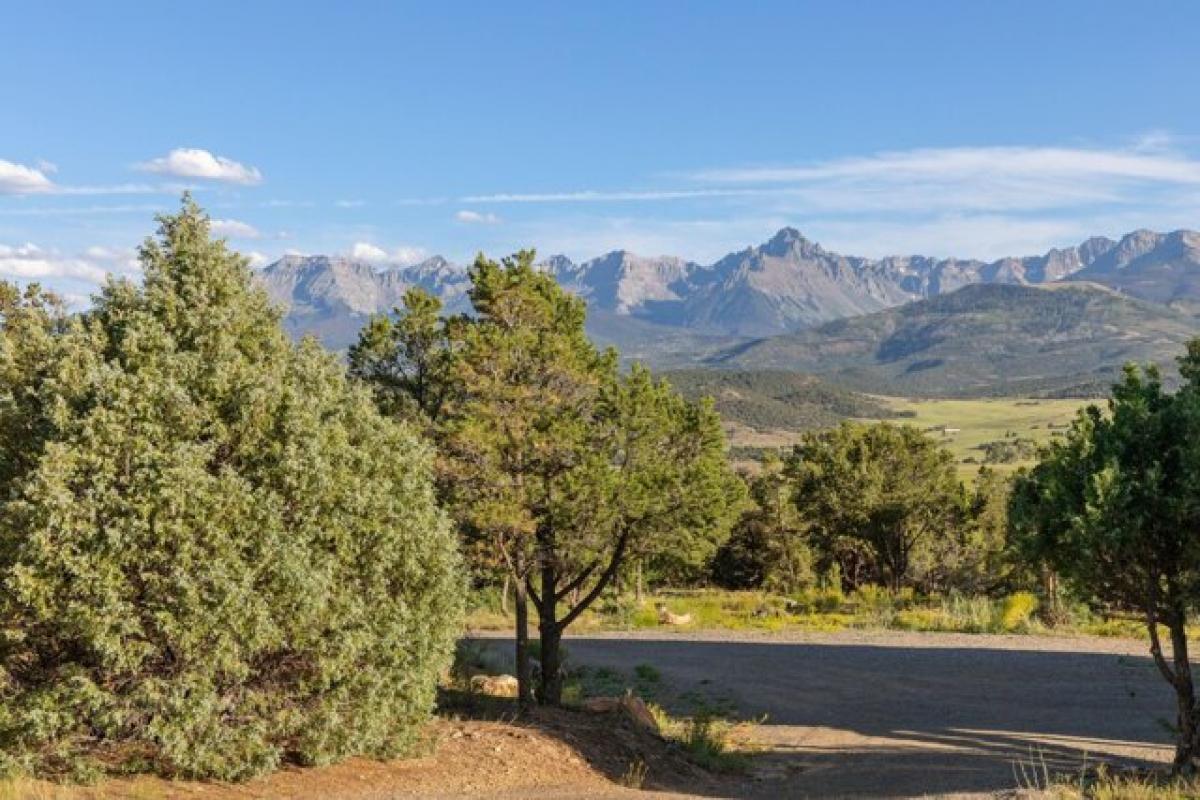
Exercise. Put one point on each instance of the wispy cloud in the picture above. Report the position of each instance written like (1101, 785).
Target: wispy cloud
(193, 162)
(927, 180)
(79, 211)
(975, 178)
(964, 201)
(593, 196)
(120, 188)
(978, 163)
(476, 217)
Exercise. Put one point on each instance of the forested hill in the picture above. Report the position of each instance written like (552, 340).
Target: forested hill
(981, 340)
(767, 399)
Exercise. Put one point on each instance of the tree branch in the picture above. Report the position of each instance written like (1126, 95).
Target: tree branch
(537, 599)
(577, 581)
(609, 572)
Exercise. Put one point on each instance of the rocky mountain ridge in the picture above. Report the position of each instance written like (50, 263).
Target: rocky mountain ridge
(786, 284)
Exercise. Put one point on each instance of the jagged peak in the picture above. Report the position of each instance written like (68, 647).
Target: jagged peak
(789, 239)
(559, 260)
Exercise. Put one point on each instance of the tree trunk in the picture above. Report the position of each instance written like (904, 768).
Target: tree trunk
(1050, 590)
(1187, 743)
(504, 594)
(551, 685)
(640, 591)
(550, 631)
(524, 673)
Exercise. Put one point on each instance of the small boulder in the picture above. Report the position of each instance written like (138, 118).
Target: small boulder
(665, 617)
(494, 685)
(635, 708)
(602, 705)
(629, 704)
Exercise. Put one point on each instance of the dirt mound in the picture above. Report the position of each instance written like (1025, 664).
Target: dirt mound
(547, 753)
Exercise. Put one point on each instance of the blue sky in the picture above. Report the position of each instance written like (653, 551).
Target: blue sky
(394, 130)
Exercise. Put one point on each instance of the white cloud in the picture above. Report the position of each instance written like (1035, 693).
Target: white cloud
(28, 262)
(476, 218)
(404, 254)
(234, 229)
(192, 162)
(364, 251)
(20, 179)
(257, 259)
(409, 255)
(120, 260)
(349, 203)
(47, 167)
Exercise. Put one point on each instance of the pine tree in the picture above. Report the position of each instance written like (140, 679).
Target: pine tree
(215, 554)
(884, 493)
(554, 465)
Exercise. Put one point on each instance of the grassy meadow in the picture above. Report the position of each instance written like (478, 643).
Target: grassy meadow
(965, 427)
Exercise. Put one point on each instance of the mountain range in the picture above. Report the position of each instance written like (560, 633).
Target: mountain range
(777, 304)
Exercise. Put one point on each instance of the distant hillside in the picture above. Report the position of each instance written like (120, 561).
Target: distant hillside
(769, 400)
(661, 346)
(982, 340)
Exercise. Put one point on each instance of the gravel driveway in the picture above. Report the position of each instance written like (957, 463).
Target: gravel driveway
(913, 715)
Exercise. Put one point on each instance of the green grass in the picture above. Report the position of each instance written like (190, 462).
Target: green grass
(980, 422)
(829, 611)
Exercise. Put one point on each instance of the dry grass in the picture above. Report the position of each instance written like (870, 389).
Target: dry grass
(1101, 784)
(143, 788)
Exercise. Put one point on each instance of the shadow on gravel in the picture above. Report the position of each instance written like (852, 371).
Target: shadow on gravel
(879, 721)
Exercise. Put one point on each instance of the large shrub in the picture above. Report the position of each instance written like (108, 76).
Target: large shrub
(215, 555)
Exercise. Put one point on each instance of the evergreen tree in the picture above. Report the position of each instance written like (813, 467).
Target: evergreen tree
(555, 465)
(1114, 508)
(406, 360)
(884, 497)
(215, 554)
(768, 547)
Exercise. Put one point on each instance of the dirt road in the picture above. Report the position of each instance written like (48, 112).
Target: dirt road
(899, 715)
